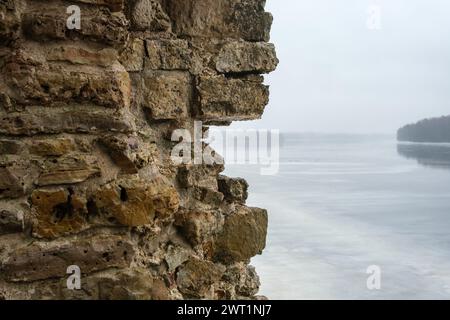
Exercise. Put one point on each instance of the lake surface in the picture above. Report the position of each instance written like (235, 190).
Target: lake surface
(341, 203)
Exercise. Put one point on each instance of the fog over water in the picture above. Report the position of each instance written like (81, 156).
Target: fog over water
(338, 75)
(341, 203)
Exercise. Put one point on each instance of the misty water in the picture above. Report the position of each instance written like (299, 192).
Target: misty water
(341, 203)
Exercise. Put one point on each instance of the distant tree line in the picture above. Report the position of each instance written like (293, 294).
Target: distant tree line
(428, 130)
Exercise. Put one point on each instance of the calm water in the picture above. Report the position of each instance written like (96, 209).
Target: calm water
(342, 203)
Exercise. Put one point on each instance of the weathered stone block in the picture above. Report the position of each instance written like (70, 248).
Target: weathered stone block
(122, 152)
(196, 277)
(202, 176)
(69, 170)
(175, 257)
(236, 19)
(135, 202)
(57, 121)
(224, 99)
(57, 213)
(98, 25)
(132, 285)
(130, 153)
(166, 94)
(132, 57)
(52, 147)
(81, 56)
(149, 15)
(245, 277)
(208, 196)
(44, 260)
(113, 5)
(168, 55)
(199, 227)
(246, 57)
(235, 190)
(9, 21)
(11, 220)
(10, 184)
(130, 203)
(10, 147)
(49, 87)
(243, 235)
(44, 26)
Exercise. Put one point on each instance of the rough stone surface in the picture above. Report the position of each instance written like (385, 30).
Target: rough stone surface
(166, 94)
(196, 277)
(168, 55)
(149, 15)
(86, 175)
(135, 203)
(57, 213)
(241, 57)
(221, 18)
(42, 260)
(11, 220)
(235, 190)
(243, 235)
(224, 99)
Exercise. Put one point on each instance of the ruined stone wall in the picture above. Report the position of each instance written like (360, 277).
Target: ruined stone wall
(86, 175)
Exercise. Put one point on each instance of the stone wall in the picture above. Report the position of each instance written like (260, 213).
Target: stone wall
(86, 119)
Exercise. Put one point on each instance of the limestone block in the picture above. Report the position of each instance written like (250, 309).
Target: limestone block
(113, 5)
(130, 153)
(34, 85)
(132, 285)
(98, 25)
(69, 169)
(168, 55)
(238, 19)
(56, 121)
(132, 56)
(135, 202)
(9, 22)
(52, 147)
(243, 235)
(225, 99)
(245, 277)
(198, 226)
(202, 176)
(235, 190)
(10, 183)
(11, 219)
(81, 56)
(57, 213)
(149, 15)
(9, 147)
(44, 260)
(166, 94)
(245, 57)
(196, 277)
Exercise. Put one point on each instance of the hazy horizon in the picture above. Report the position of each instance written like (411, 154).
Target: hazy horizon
(337, 75)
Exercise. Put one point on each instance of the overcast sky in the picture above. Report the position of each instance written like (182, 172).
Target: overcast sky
(338, 75)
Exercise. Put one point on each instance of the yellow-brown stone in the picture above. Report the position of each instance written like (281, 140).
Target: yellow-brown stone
(52, 147)
(57, 213)
(137, 203)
